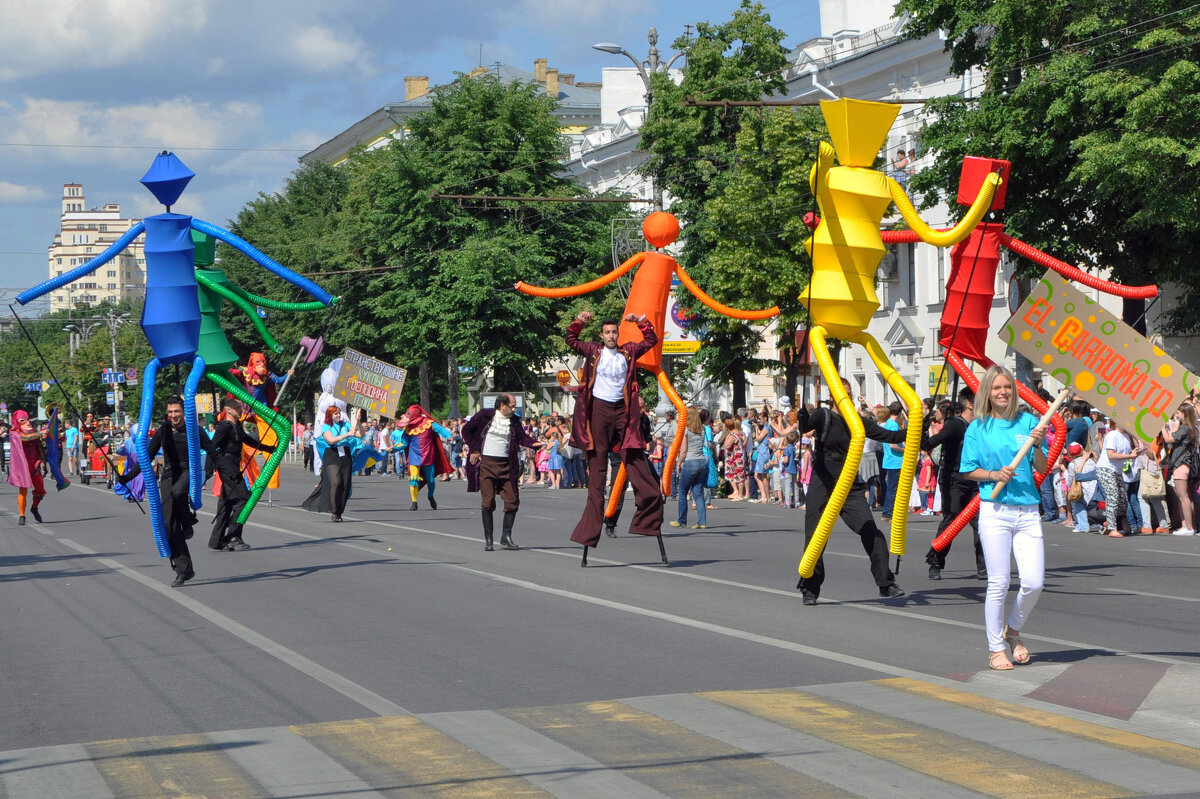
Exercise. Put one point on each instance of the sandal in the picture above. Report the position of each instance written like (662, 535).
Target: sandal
(1019, 650)
(999, 661)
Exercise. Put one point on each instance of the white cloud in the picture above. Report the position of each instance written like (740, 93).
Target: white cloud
(42, 37)
(319, 49)
(12, 193)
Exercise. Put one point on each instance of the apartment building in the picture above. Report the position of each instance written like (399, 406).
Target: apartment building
(83, 234)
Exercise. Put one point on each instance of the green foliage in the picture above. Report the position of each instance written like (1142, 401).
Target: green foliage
(1096, 107)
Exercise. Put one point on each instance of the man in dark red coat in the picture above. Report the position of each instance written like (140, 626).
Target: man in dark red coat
(494, 437)
(607, 419)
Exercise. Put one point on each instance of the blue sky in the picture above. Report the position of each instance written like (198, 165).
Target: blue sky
(90, 90)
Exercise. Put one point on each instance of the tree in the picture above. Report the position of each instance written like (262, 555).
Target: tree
(693, 152)
(1095, 105)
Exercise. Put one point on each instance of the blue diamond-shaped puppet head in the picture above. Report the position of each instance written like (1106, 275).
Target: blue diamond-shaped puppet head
(166, 178)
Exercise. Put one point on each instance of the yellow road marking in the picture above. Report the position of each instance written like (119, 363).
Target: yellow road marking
(666, 757)
(402, 753)
(1143, 745)
(961, 761)
(177, 765)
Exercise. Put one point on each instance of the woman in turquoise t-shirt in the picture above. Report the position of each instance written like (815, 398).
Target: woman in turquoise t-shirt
(1010, 522)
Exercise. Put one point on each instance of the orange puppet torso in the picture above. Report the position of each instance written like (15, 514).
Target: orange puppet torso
(650, 294)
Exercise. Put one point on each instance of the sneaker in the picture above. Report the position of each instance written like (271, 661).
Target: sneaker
(892, 591)
(676, 524)
(699, 526)
(935, 573)
(981, 574)
(237, 545)
(35, 513)
(810, 598)
(1183, 531)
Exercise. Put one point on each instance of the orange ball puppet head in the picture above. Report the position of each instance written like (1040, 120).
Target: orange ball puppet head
(660, 229)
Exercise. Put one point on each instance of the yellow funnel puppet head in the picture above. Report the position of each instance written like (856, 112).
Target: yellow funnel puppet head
(858, 128)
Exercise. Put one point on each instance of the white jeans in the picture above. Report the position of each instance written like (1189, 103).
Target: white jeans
(1016, 529)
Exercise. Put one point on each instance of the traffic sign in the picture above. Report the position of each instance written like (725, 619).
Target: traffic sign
(3, 406)
(109, 398)
(131, 374)
(110, 376)
(34, 386)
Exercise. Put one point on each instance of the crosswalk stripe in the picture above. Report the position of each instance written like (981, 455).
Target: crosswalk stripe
(51, 771)
(177, 765)
(404, 754)
(921, 748)
(664, 756)
(1156, 748)
(860, 774)
(555, 768)
(1046, 745)
(286, 765)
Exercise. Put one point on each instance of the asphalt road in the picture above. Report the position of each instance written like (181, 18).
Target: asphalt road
(397, 625)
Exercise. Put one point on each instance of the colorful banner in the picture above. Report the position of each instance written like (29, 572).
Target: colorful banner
(364, 382)
(678, 337)
(1083, 346)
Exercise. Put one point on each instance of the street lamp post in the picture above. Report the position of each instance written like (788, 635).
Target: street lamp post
(114, 321)
(645, 69)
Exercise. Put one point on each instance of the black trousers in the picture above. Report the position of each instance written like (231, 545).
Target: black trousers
(956, 495)
(857, 515)
(178, 519)
(234, 496)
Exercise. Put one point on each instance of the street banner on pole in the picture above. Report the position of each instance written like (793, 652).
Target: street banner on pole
(1086, 348)
(365, 382)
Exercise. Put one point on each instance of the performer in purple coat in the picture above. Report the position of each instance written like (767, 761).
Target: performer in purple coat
(494, 437)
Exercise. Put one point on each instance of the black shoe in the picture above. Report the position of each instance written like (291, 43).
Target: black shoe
(610, 531)
(220, 547)
(20, 521)
(433, 503)
(891, 591)
(414, 506)
(935, 573)
(35, 513)
(810, 598)
(237, 545)
(180, 579)
(981, 574)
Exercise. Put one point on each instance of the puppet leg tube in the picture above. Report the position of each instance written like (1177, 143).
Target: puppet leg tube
(963, 519)
(614, 496)
(262, 260)
(278, 424)
(142, 443)
(664, 382)
(912, 439)
(192, 426)
(849, 473)
(60, 482)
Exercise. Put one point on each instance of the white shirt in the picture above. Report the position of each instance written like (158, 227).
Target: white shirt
(1118, 442)
(495, 443)
(611, 369)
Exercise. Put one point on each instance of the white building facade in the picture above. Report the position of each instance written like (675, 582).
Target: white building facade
(85, 233)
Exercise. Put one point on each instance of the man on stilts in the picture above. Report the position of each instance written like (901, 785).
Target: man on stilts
(607, 419)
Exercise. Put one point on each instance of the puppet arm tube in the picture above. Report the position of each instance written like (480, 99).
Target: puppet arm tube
(841, 489)
(276, 305)
(82, 271)
(262, 260)
(1074, 273)
(687, 281)
(240, 302)
(945, 238)
(1028, 445)
(582, 288)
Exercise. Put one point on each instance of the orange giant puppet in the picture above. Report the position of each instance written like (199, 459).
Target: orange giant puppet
(649, 295)
(846, 248)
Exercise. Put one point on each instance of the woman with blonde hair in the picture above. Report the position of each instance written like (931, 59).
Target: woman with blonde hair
(1179, 466)
(1009, 520)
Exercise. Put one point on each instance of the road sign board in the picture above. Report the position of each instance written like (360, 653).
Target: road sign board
(109, 376)
(33, 386)
(109, 398)
(3, 406)
(131, 374)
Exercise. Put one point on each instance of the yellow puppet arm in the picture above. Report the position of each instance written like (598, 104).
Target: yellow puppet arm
(824, 163)
(945, 238)
(668, 471)
(687, 281)
(845, 481)
(582, 288)
(912, 438)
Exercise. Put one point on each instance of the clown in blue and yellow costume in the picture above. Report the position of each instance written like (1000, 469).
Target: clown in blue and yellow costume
(426, 457)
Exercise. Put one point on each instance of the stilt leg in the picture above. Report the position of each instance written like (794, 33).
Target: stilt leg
(584, 561)
(662, 548)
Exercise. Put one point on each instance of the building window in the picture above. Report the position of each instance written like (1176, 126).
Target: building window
(112, 273)
(942, 276)
(910, 295)
(60, 260)
(112, 286)
(104, 228)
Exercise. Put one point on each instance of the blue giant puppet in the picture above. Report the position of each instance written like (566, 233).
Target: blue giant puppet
(171, 316)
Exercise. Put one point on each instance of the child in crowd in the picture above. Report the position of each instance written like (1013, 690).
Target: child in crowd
(790, 468)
